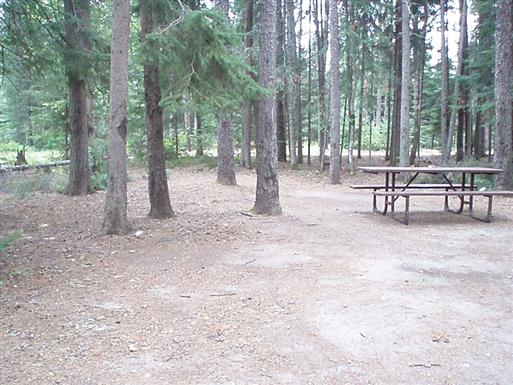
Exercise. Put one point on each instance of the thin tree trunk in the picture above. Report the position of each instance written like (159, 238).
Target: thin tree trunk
(77, 16)
(395, 129)
(309, 139)
(360, 108)
(420, 60)
(292, 83)
(503, 86)
(320, 34)
(115, 215)
(199, 136)
(299, 72)
(350, 91)
(281, 129)
(248, 105)
(267, 199)
(160, 206)
(335, 94)
(225, 152)
(404, 151)
(343, 130)
(444, 97)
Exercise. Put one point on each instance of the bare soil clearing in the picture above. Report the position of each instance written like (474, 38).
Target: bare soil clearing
(328, 293)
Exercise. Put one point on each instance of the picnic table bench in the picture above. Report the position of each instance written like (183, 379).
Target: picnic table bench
(465, 192)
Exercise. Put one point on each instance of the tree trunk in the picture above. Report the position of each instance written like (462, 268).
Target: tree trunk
(225, 152)
(404, 150)
(309, 105)
(292, 84)
(335, 95)
(446, 156)
(362, 87)
(350, 90)
(444, 96)
(420, 60)
(267, 191)
(503, 157)
(396, 124)
(199, 136)
(321, 79)
(160, 206)
(115, 218)
(77, 16)
(248, 105)
(281, 130)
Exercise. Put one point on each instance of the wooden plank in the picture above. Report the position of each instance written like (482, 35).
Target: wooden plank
(431, 170)
(443, 193)
(401, 186)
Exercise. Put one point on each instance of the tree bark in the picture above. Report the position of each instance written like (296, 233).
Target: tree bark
(503, 157)
(225, 152)
(115, 215)
(77, 16)
(350, 90)
(281, 130)
(335, 95)
(404, 151)
(160, 206)
(420, 60)
(267, 199)
(396, 124)
(248, 105)
(446, 156)
(292, 84)
(444, 95)
(321, 38)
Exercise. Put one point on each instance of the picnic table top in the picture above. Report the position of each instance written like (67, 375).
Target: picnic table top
(431, 169)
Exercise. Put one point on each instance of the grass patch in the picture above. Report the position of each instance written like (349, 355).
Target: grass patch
(203, 162)
(6, 241)
(23, 185)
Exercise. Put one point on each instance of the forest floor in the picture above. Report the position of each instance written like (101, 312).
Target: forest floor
(327, 293)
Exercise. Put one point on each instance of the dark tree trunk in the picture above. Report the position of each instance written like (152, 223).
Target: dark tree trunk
(248, 105)
(77, 15)
(281, 130)
(503, 86)
(160, 206)
(199, 137)
(267, 191)
(115, 218)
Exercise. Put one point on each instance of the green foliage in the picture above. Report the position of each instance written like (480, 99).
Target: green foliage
(205, 53)
(7, 240)
(204, 162)
(23, 186)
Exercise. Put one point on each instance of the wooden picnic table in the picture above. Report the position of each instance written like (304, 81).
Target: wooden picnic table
(390, 191)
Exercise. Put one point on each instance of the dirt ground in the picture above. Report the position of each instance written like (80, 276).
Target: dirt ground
(327, 293)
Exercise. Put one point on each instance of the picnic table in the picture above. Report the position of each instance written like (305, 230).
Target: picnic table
(464, 189)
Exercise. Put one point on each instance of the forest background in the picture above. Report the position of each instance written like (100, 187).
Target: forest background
(202, 62)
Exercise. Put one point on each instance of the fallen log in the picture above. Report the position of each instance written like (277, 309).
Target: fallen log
(24, 167)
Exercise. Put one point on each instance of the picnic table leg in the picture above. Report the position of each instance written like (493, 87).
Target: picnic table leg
(406, 209)
(471, 198)
(385, 200)
(392, 200)
(461, 198)
(488, 217)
